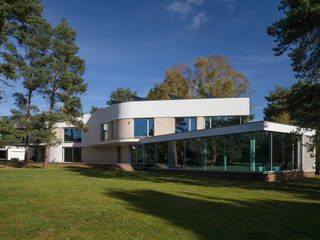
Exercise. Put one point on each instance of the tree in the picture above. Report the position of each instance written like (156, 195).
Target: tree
(9, 134)
(211, 76)
(215, 76)
(276, 110)
(177, 82)
(63, 84)
(121, 95)
(298, 33)
(35, 38)
(94, 109)
(15, 15)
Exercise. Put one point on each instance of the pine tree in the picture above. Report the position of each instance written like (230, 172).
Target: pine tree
(15, 15)
(64, 83)
(9, 133)
(32, 64)
(121, 95)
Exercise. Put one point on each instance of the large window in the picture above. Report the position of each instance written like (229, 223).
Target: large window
(284, 152)
(143, 127)
(72, 154)
(185, 124)
(72, 135)
(214, 122)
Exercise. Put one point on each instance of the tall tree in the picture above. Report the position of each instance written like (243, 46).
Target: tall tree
(277, 109)
(211, 75)
(64, 83)
(121, 95)
(15, 15)
(177, 82)
(298, 33)
(215, 76)
(35, 38)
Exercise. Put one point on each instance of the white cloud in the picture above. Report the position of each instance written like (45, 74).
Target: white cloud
(183, 8)
(198, 20)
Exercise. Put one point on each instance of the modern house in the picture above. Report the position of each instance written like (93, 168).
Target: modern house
(210, 134)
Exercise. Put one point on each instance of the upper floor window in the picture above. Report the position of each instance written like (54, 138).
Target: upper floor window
(72, 135)
(214, 122)
(185, 124)
(106, 131)
(143, 127)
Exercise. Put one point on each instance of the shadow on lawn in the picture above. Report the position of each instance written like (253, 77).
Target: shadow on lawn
(308, 188)
(227, 218)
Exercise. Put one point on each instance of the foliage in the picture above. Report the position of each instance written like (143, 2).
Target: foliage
(303, 104)
(9, 134)
(95, 109)
(215, 76)
(177, 82)
(15, 15)
(211, 76)
(298, 33)
(35, 40)
(276, 109)
(121, 95)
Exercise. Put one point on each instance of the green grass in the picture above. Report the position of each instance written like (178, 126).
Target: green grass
(76, 202)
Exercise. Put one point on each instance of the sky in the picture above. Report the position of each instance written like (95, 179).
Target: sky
(130, 44)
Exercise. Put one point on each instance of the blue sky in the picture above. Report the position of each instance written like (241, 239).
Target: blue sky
(132, 43)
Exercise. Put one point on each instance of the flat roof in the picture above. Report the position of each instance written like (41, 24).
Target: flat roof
(243, 128)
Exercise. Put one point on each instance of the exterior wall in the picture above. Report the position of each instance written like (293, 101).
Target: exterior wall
(308, 157)
(59, 132)
(123, 129)
(164, 126)
(125, 154)
(201, 123)
(100, 154)
(15, 153)
(167, 109)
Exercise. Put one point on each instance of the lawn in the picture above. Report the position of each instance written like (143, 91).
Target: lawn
(77, 202)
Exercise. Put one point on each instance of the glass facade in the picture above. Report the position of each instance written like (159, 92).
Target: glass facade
(143, 127)
(72, 135)
(214, 122)
(246, 152)
(185, 124)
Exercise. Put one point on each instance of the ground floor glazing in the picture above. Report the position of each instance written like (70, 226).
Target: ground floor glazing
(246, 152)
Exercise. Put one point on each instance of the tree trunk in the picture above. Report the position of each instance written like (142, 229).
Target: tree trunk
(46, 157)
(26, 151)
(52, 102)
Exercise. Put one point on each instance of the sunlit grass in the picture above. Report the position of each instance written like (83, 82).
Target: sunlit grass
(77, 202)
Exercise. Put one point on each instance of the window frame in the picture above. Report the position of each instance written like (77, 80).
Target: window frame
(189, 124)
(148, 129)
(72, 135)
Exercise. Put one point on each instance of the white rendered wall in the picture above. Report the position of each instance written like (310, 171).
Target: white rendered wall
(163, 109)
(16, 152)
